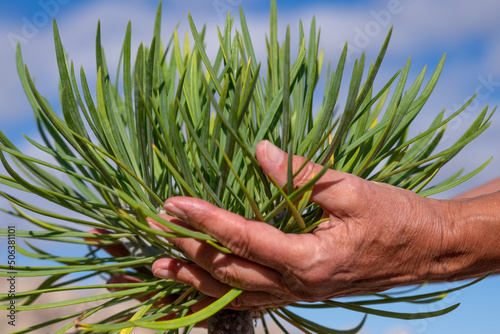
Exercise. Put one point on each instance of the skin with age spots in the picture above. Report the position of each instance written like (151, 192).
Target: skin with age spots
(377, 237)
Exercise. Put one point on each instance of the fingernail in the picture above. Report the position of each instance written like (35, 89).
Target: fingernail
(164, 273)
(274, 154)
(172, 209)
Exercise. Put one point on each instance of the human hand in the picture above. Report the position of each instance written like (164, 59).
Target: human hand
(117, 249)
(378, 237)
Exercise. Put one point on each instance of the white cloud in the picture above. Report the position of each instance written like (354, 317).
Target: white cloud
(418, 25)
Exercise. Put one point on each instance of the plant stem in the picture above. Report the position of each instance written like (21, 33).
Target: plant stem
(231, 322)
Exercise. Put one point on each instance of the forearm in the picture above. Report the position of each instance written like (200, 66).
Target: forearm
(474, 247)
(487, 188)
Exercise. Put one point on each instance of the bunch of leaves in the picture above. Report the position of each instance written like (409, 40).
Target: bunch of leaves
(174, 122)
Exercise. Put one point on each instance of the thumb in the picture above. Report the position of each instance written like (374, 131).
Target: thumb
(332, 191)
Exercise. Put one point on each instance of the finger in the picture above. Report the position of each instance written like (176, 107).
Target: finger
(117, 279)
(333, 191)
(230, 269)
(195, 276)
(131, 279)
(116, 249)
(190, 274)
(160, 227)
(249, 239)
(170, 299)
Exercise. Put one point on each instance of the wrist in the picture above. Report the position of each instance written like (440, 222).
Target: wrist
(470, 244)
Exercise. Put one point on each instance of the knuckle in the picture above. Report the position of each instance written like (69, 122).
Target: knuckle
(237, 302)
(310, 282)
(239, 244)
(305, 175)
(276, 301)
(315, 278)
(301, 293)
(224, 272)
(355, 191)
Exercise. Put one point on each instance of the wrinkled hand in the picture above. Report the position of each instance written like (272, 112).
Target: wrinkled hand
(378, 237)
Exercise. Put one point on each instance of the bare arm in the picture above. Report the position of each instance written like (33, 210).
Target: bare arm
(478, 219)
(377, 237)
(487, 188)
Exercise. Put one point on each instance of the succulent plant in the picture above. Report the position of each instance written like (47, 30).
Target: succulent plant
(175, 122)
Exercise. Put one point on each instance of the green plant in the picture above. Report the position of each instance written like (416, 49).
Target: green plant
(178, 123)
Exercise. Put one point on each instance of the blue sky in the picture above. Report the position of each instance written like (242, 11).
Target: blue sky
(466, 31)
